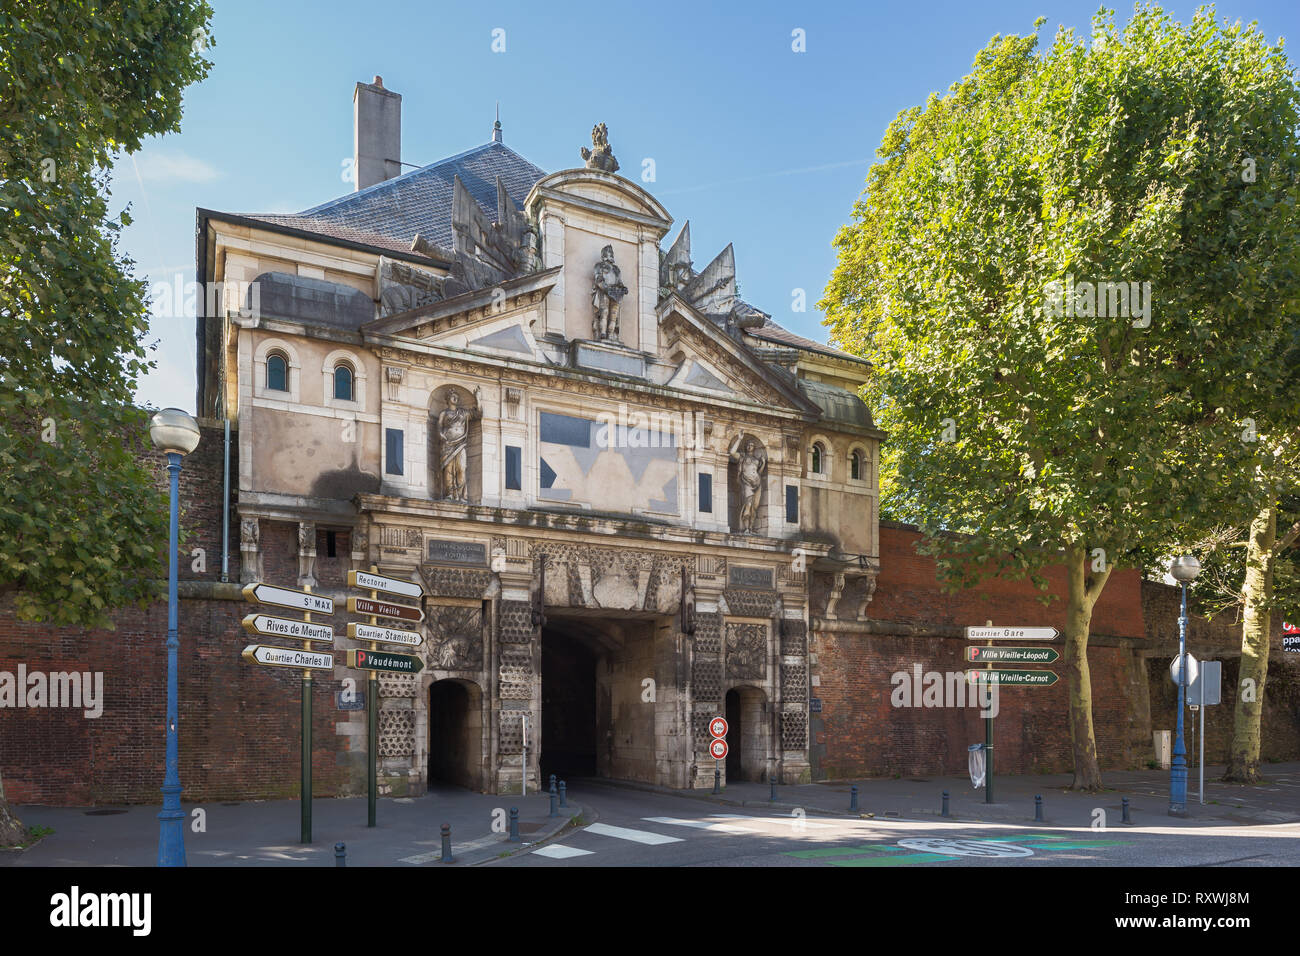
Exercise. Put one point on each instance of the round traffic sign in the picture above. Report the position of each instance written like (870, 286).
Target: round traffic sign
(718, 749)
(718, 727)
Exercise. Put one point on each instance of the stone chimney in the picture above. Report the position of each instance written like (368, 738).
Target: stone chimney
(377, 133)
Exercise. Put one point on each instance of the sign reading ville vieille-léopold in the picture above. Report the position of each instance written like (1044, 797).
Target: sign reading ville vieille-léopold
(456, 552)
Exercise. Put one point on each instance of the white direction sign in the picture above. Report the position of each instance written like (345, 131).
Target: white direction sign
(377, 582)
(1011, 633)
(288, 657)
(286, 627)
(285, 597)
(390, 635)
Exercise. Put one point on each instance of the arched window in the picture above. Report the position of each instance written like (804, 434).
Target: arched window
(855, 465)
(343, 381)
(818, 457)
(277, 372)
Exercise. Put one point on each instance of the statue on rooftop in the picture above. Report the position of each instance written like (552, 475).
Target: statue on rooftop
(599, 156)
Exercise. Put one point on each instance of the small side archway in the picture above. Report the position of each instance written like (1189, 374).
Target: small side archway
(456, 733)
(747, 749)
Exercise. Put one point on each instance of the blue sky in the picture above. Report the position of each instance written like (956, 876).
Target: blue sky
(754, 143)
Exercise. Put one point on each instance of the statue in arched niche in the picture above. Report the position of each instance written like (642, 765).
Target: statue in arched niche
(453, 446)
(751, 462)
(607, 291)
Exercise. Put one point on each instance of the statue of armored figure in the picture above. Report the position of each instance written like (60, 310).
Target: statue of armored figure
(751, 462)
(607, 291)
(453, 438)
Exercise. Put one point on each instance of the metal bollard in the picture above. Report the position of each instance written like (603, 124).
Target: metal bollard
(1038, 808)
(772, 795)
(853, 799)
(514, 825)
(717, 780)
(564, 803)
(1124, 807)
(555, 796)
(945, 804)
(552, 783)
(446, 844)
(340, 854)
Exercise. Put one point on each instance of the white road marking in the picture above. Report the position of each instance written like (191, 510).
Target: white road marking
(558, 851)
(420, 858)
(699, 824)
(802, 822)
(636, 836)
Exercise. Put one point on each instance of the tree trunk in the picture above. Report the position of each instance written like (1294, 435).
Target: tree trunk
(12, 831)
(1081, 597)
(1243, 757)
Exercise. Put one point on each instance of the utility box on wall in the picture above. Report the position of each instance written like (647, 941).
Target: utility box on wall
(1163, 740)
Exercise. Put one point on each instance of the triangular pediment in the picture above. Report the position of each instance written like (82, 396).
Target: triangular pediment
(714, 364)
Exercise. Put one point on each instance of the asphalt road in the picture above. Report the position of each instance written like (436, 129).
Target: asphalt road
(636, 828)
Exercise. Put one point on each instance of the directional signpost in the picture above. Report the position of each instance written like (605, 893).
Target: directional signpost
(1013, 655)
(384, 661)
(997, 678)
(374, 660)
(304, 658)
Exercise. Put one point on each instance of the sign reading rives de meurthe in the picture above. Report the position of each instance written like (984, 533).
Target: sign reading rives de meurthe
(286, 627)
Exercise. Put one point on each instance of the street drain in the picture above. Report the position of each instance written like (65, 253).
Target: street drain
(103, 813)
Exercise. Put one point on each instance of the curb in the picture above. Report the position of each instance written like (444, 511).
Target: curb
(493, 853)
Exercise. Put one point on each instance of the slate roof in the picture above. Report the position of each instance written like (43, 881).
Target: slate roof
(392, 212)
(388, 215)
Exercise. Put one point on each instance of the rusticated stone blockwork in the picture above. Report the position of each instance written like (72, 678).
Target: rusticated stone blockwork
(708, 634)
(455, 582)
(794, 681)
(794, 638)
(510, 726)
(516, 622)
(794, 730)
(706, 677)
(396, 733)
(750, 603)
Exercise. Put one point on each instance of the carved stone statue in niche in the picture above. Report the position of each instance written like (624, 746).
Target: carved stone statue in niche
(600, 156)
(250, 551)
(607, 291)
(453, 447)
(751, 462)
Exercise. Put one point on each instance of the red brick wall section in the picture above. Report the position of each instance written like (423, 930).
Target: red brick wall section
(861, 733)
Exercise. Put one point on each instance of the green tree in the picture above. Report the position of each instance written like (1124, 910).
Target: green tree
(1068, 284)
(80, 520)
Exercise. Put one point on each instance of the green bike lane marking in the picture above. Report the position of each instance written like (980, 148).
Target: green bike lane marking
(886, 854)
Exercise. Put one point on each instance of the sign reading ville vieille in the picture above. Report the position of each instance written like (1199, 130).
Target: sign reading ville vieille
(456, 552)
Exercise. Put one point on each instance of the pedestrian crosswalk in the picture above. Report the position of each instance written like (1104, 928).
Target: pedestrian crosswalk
(726, 824)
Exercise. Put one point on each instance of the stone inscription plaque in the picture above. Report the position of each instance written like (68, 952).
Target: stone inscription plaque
(457, 552)
(740, 576)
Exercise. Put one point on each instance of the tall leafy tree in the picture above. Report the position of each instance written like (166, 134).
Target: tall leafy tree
(80, 82)
(1069, 280)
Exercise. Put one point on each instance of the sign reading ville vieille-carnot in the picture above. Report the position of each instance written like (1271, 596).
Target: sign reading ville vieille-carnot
(456, 552)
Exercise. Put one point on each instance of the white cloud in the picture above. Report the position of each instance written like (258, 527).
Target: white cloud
(173, 167)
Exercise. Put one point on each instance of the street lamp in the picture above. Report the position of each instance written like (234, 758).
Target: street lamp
(176, 434)
(1183, 570)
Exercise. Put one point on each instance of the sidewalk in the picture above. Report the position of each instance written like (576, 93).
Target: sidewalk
(266, 832)
(1275, 801)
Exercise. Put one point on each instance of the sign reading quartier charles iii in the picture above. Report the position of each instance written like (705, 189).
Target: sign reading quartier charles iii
(288, 657)
(285, 597)
(377, 582)
(1011, 633)
(286, 627)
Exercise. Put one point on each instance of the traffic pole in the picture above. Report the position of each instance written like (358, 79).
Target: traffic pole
(372, 721)
(305, 796)
(988, 733)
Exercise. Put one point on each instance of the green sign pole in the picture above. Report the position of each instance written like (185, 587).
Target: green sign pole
(988, 743)
(306, 756)
(372, 725)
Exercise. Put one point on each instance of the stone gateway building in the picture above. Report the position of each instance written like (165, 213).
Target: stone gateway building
(615, 480)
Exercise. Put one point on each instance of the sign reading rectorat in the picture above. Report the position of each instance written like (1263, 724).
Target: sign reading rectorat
(740, 576)
(456, 552)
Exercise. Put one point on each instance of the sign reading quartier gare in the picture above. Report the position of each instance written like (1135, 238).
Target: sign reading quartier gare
(631, 499)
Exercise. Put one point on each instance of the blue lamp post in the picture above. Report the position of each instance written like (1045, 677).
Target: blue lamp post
(1183, 570)
(176, 434)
